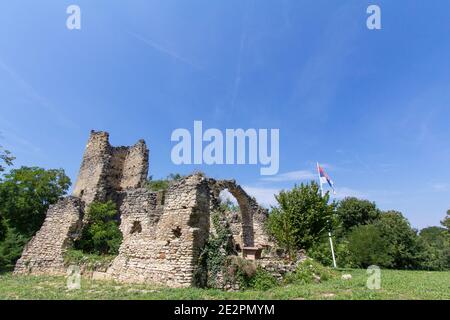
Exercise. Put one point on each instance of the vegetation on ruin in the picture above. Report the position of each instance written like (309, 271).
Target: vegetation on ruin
(162, 184)
(394, 285)
(101, 234)
(88, 261)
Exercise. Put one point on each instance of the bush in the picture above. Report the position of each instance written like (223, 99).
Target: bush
(262, 280)
(11, 249)
(309, 271)
(101, 235)
(301, 218)
(239, 271)
(90, 261)
(321, 252)
(368, 247)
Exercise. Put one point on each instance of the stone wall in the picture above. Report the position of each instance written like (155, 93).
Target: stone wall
(163, 232)
(44, 254)
(162, 241)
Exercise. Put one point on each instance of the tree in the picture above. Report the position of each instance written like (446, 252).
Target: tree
(6, 158)
(368, 247)
(402, 239)
(435, 247)
(101, 235)
(11, 249)
(446, 222)
(26, 194)
(301, 217)
(352, 212)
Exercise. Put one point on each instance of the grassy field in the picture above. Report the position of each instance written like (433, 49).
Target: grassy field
(394, 285)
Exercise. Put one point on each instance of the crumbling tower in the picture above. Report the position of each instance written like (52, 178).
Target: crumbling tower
(106, 170)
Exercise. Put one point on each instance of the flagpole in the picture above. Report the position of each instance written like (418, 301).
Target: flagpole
(329, 232)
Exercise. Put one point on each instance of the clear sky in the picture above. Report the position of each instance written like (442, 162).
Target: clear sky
(373, 106)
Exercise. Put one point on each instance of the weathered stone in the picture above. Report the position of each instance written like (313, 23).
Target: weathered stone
(163, 232)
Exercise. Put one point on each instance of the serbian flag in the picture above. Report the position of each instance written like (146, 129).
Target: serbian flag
(324, 178)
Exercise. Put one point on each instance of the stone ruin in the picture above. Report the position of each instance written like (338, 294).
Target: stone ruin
(163, 232)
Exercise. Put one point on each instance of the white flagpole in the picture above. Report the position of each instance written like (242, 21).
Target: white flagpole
(329, 233)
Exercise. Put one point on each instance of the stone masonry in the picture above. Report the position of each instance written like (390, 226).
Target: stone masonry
(163, 232)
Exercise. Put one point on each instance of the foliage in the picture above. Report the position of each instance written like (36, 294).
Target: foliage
(262, 280)
(309, 271)
(352, 212)
(401, 238)
(239, 271)
(229, 206)
(6, 158)
(91, 261)
(213, 256)
(435, 247)
(301, 218)
(101, 235)
(321, 252)
(26, 194)
(11, 249)
(368, 247)
(446, 222)
(163, 184)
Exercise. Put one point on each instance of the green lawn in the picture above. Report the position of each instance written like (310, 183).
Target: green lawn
(394, 285)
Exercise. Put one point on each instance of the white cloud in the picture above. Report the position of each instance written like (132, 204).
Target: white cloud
(344, 192)
(292, 176)
(440, 187)
(264, 196)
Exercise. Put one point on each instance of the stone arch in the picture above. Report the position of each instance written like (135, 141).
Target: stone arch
(249, 208)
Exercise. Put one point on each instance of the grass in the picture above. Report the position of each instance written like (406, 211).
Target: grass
(394, 285)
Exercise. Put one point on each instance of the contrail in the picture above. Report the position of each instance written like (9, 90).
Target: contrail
(164, 50)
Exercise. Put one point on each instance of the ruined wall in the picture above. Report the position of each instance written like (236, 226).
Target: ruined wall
(170, 235)
(163, 232)
(247, 226)
(105, 170)
(45, 251)
(135, 166)
(91, 182)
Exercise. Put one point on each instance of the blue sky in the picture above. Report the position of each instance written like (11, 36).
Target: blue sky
(373, 106)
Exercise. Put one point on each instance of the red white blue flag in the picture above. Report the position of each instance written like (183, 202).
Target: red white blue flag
(324, 178)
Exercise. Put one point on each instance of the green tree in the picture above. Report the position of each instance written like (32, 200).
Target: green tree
(5, 158)
(403, 240)
(301, 217)
(26, 194)
(101, 234)
(435, 248)
(368, 246)
(11, 249)
(446, 222)
(352, 212)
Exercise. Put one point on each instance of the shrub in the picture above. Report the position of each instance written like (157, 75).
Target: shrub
(321, 252)
(11, 249)
(368, 247)
(262, 280)
(239, 271)
(309, 271)
(301, 218)
(101, 235)
(90, 261)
